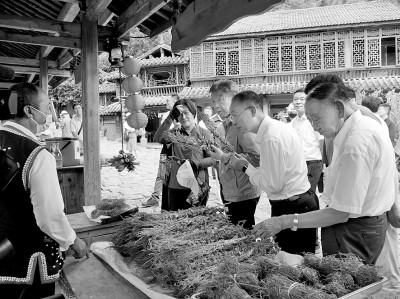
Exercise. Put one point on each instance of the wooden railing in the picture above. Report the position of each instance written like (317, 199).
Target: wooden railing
(161, 90)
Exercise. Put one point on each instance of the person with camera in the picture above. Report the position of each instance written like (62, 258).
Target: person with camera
(33, 227)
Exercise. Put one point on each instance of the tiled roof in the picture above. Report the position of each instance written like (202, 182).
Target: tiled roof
(164, 61)
(290, 87)
(325, 16)
(116, 107)
(107, 87)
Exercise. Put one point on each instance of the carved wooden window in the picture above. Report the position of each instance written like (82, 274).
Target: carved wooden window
(195, 65)
(341, 54)
(358, 52)
(233, 62)
(161, 76)
(208, 64)
(273, 59)
(287, 58)
(300, 57)
(374, 53)
(314, 56)
(329, 55)
(246, 61)
(398, 50)
(220, 63)
(182, 78)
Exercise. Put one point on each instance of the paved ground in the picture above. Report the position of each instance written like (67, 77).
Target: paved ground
(138, 185)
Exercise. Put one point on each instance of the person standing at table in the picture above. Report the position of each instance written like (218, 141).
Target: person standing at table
(77, 126)
(311, 140)
(65, 124)
(283, 171)
(239, 195)
(361, 180)
(158, 185)
(33, 226)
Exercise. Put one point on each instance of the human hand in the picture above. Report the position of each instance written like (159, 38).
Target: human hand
(80, 249)
(175, 113)
(267, 228)
(217, 153)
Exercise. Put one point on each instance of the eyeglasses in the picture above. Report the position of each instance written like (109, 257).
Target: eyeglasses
(238, 115)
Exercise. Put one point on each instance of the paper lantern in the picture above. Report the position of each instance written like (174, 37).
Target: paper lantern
(137, 120)
(131, 66)
(135, 102)
(132, 84)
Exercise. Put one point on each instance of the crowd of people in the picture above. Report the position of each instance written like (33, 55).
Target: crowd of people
(329, 138)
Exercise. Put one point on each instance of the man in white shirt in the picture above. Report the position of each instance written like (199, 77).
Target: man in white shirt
(283, 171)
(361, 181)
(76, 125)
(66, 124)
(311, 140)
(372, 103)
(31, 206)
(158, 185)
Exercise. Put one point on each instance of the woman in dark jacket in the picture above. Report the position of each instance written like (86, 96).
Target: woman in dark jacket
(184, 111)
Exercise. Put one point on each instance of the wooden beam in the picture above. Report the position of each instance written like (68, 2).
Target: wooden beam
(96, 8)
(25, 62)
(30, 78)
(63, 61)
(6, 85)
(42, 40)
(161, 28)
(44, 75)
(203, 18)
(67, 14)
(61, 81)
(36, 70)
(106, 17)
(139, 11)
(40, 25)
(90, 94)
(71, 1)
(164, 16)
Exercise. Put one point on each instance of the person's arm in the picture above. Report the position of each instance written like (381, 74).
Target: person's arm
(74, 129)
(271, 179)
(247, 148)
(48, 205)
(314, 219)
(392, 131)
(158, 137)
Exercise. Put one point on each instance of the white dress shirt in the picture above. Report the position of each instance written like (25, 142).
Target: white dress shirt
(309, 138)
(362, 177)
(45, 193)
(383, 123)
(283, 170)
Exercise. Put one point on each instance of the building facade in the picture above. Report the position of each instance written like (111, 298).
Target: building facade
(277, 52)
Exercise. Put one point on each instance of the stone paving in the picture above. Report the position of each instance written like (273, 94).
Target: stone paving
(138, 185)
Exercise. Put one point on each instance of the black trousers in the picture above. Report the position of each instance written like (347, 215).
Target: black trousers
(242, 211)
(363, 236)
(23, 291)
(314, 173)
(175, 199)
(302, 240)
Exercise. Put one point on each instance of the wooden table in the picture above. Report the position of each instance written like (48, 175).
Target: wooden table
(72, 188)
(91, 231)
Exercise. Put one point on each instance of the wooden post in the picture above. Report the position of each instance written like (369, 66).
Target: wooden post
(43, 76)
(90, 95)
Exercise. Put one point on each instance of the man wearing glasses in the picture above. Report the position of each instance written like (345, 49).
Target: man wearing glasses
(282, 173)
(237, 193)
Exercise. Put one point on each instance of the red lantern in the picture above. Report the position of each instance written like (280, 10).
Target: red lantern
(132, 84)
(131, 65)
(137, 120)
(135, 102)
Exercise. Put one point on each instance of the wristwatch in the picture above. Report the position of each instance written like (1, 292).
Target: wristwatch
(244, 168)
(295, 222)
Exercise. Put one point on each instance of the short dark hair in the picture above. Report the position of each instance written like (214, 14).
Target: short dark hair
(323, 78)
(27, 95)
(226, 86)
(328, 92)
(189, 104)
(387, 107)
(299, 90)
(372, 103)
(250, 97)
(175, 95)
